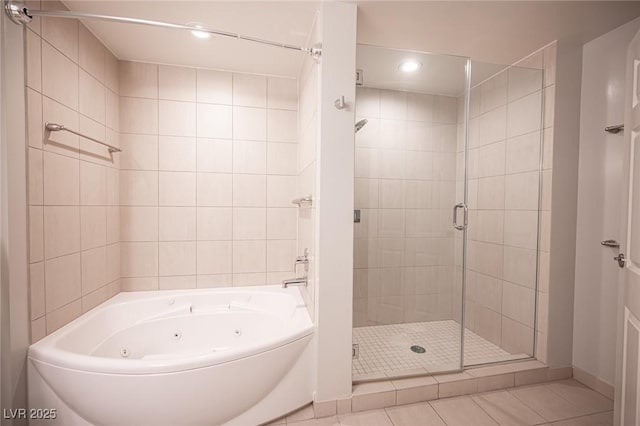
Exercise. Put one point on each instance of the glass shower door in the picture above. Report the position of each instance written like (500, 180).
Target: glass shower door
(410, 151)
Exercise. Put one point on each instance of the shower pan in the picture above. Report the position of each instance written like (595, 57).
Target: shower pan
(448, 212)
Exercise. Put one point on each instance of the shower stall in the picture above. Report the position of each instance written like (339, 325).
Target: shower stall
(447, 199)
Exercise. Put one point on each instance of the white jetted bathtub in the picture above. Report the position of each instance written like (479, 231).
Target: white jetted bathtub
(187, 357)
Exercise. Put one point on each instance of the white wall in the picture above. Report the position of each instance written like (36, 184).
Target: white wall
(334, 227)
(599, 201)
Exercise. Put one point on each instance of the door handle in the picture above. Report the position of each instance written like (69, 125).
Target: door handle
(610, 243)
(465, 216)
(620, 259)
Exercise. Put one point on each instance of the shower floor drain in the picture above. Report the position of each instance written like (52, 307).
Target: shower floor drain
(418, 349)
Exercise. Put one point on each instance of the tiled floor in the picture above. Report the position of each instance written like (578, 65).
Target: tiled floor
(384, 350)
(562, 403)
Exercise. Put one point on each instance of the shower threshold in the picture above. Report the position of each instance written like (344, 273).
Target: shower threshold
(386, 350)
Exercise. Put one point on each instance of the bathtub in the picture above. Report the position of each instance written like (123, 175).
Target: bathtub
(189, 357)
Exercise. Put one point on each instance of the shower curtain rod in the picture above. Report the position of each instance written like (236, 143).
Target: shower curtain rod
(20, 14)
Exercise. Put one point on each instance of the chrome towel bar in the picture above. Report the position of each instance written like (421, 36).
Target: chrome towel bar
(53, 127)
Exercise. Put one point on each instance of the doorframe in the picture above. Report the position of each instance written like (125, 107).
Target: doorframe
(14, 282)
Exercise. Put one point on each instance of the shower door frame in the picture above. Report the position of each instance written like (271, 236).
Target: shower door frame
(467, 95)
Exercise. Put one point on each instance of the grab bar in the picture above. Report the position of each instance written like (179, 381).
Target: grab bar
(59, 127)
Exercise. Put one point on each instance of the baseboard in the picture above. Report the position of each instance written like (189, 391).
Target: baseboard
(593, 382)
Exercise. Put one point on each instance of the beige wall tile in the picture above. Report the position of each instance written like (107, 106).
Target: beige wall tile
(214, 257)
(62, 281)
(214, 155)
(280, 255)
(177, 258)
(214, 189)
(91, 54)
(93, 184)
(524, 115)
(177, 83)
(214, 87)
(138, 223)
(177, 224)
(250, 90)
(138, 79)
(249, 223)
(250, 123)
(92, 97)
(33, 60)
(95, 298)
(64, 315)
(139, 259)
(138, 115)
(214, 121)
(214, 223)
(35, 126)
(37, 290)
(177, 189)
(93, 226)
(177, 154)
(281, 126)
(138, 188)
(61, 230)
(36, 233)
(140, 152)
(249, 157)
(177, 118)
(282, 93)
(94, 269)
(61, 33)
(249, 256)
(59, 77)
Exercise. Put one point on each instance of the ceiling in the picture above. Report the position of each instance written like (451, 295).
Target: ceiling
(492, 32)
(280, 21)
(499, 32)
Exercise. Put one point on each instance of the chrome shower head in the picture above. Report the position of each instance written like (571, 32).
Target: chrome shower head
(360, 124)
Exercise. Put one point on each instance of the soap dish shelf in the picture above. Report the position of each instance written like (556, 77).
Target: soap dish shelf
(306, 201)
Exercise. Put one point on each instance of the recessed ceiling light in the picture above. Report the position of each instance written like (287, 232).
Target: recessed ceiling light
(196, 33)
(410, 66)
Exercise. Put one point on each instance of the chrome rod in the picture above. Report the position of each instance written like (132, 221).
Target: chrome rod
(53, 127)
(21, 13)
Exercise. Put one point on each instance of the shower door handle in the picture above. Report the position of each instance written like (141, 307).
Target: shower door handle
(462, 206)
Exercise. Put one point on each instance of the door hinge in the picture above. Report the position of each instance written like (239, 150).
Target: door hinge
(355, 351)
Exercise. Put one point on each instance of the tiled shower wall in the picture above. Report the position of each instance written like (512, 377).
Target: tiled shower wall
(200, 196)
(72, 79)
(505, 140)
(207, 176)
(405, 162)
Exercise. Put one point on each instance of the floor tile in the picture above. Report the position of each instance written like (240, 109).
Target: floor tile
(325, 421)
(304, 413)
(462, 412)
(507, 410)
(601, 419)
(544, 401)
(417, 414)
(578, 394)
(369, 418)
(386, 349)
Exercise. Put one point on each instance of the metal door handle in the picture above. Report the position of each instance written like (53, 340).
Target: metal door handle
(610, 243)
(465, 215)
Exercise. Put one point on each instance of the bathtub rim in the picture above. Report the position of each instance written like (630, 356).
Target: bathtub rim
(46, 350)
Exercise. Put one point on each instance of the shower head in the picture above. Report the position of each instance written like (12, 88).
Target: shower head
(360, 124)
